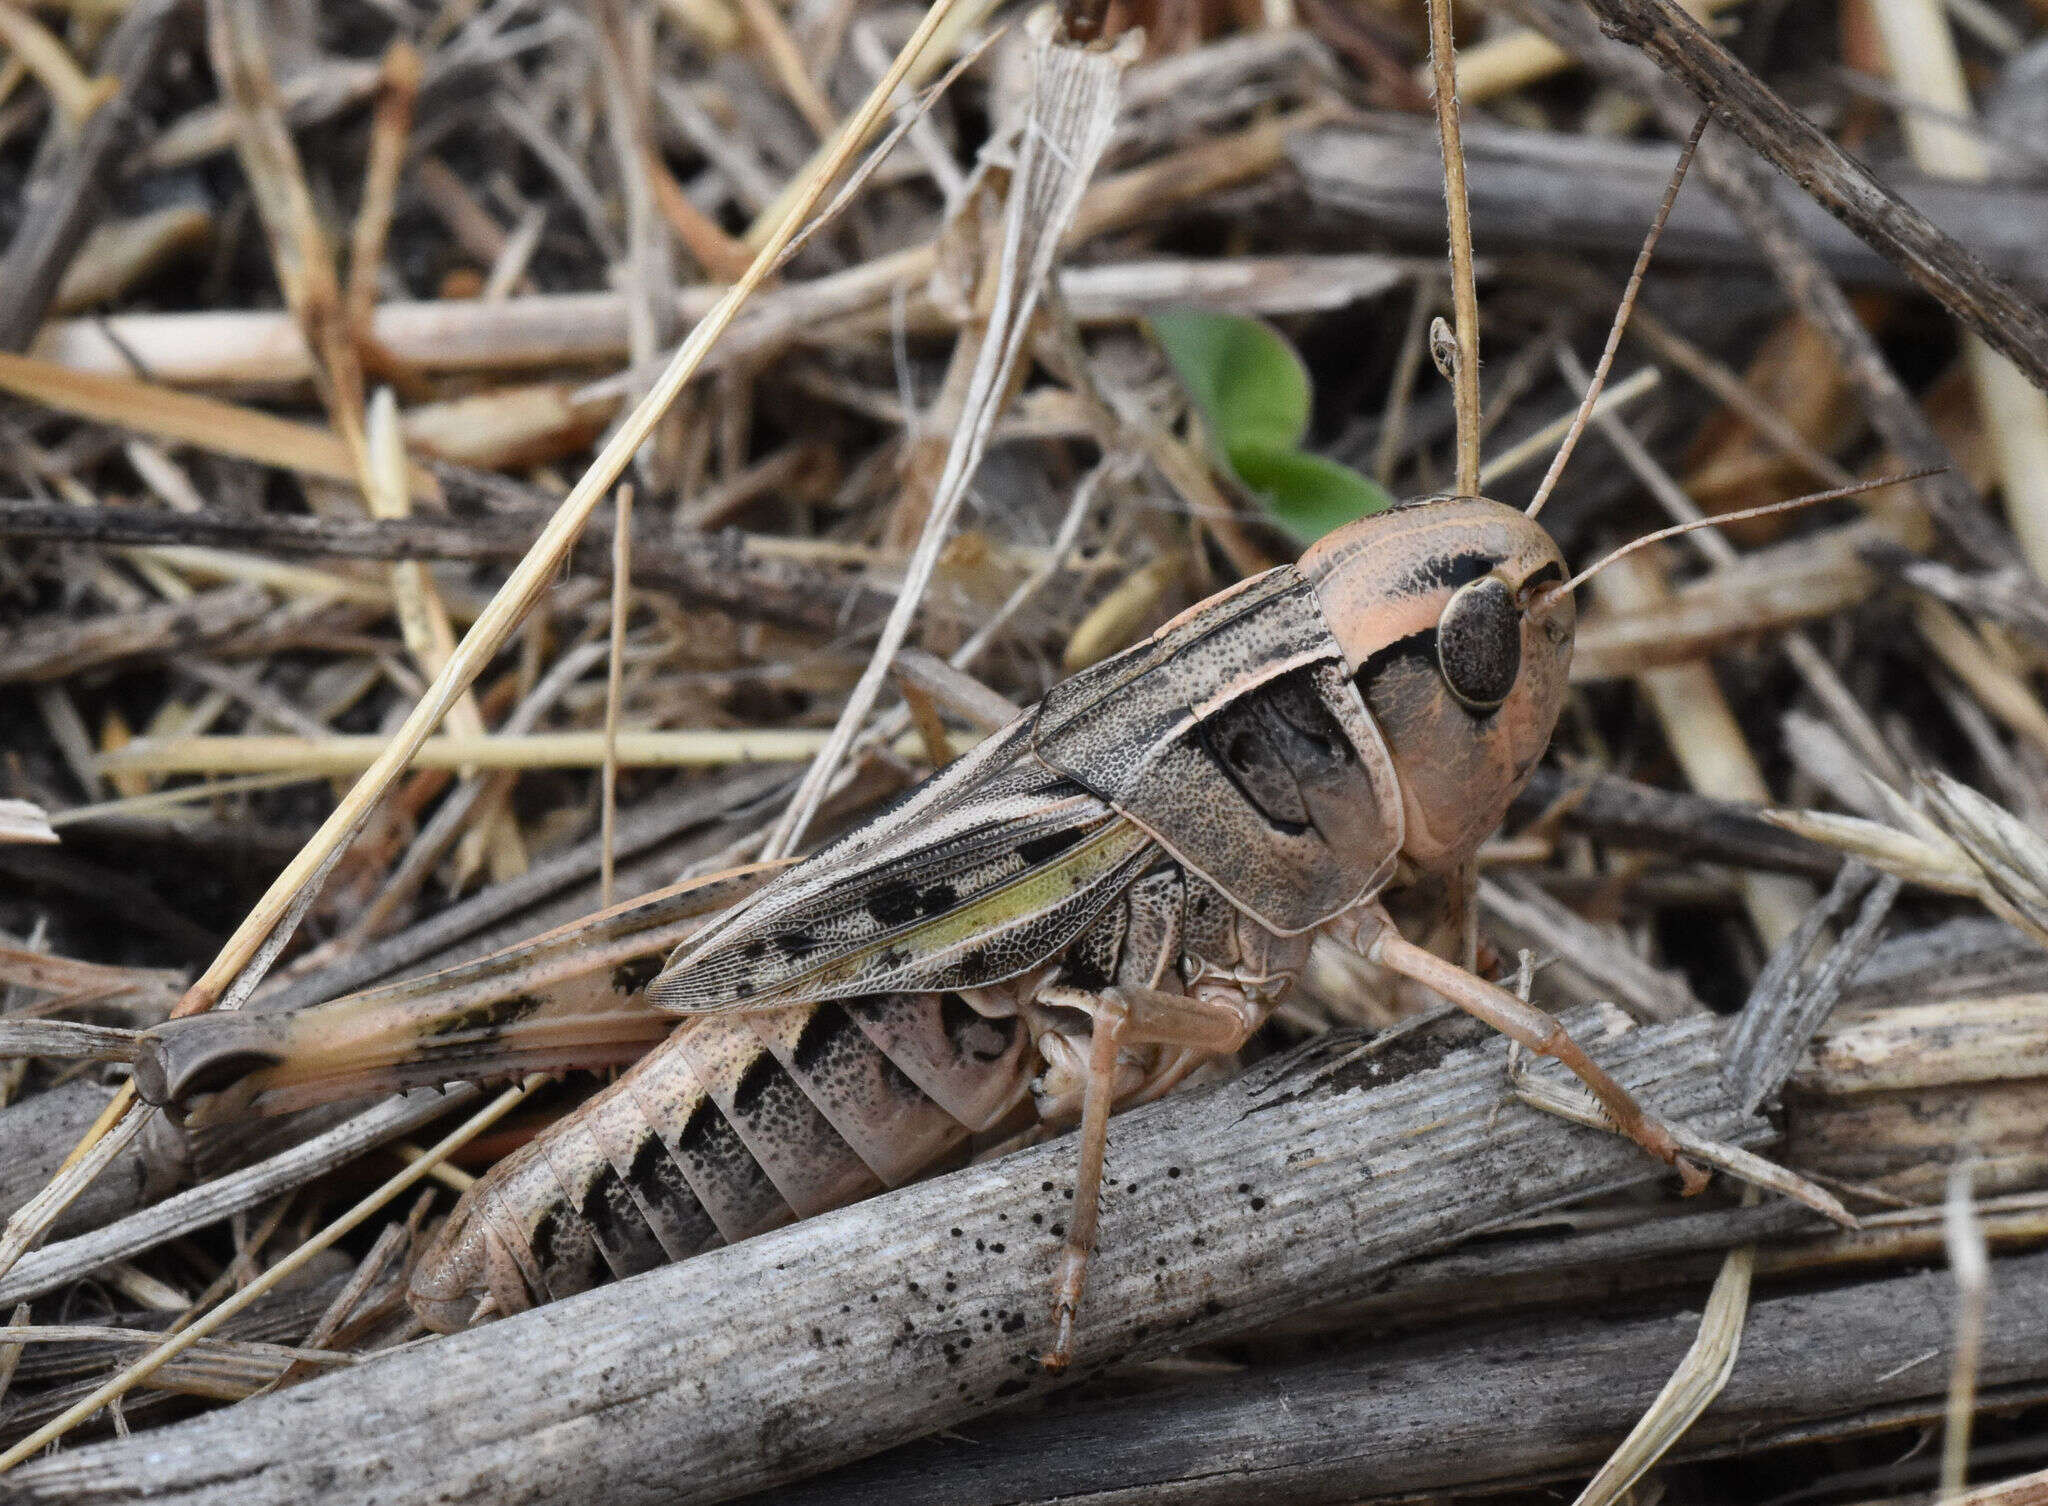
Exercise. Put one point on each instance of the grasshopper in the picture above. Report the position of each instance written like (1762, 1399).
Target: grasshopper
(1112, 890)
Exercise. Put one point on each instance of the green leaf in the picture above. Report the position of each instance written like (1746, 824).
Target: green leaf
(1307, 493)
(1247, 380)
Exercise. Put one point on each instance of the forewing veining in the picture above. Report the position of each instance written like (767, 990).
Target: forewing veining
(963, 891)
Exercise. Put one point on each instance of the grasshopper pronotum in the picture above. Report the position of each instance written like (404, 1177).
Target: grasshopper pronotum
(1115, 888)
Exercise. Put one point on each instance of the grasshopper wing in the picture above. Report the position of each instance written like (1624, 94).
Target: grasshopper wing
(981, 874)
(1234, 737)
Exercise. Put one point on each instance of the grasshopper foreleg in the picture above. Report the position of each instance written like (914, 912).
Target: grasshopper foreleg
(1125, 1017)
(1372, 934)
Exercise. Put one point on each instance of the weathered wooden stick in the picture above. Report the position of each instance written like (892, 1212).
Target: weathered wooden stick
(1543, 1398)
(718, 570)
(828, 1341)
(1673, 823)
(1554, 192)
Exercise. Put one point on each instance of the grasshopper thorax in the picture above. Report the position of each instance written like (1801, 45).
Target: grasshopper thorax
(1457, 637)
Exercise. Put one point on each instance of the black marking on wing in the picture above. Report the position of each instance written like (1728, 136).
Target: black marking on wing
(900, 902)
(1043, 849)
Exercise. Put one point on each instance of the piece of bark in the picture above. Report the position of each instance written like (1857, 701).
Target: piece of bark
(782, 1356)
(1551, 192)
(1543, 1398)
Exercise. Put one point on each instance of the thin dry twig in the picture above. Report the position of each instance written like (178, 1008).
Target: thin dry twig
(1464, 290)
(615, 666)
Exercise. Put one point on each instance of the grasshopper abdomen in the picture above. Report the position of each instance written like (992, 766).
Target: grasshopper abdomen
(731, 1127)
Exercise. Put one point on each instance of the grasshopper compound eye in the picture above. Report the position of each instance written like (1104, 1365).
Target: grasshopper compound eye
(1479, 643)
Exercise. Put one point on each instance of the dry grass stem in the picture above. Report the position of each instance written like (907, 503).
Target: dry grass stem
(345, 754)
(1464, 370)
(615, 667)
(1969, 1262)
(1692, 1388)
(53, 66)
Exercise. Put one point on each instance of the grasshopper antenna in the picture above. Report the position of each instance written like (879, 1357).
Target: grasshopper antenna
(1628, 303)
(1464, 367)
(1743, 515)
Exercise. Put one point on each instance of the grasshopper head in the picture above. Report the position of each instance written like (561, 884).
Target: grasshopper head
(1459, 640)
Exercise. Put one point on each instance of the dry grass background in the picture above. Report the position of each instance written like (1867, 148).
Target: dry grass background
(315, 314)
